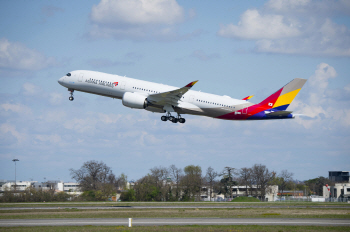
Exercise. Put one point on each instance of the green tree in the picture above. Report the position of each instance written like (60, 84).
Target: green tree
(316, 185)
(191, 183)
(128, 195)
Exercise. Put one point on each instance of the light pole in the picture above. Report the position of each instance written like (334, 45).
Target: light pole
(14, 160)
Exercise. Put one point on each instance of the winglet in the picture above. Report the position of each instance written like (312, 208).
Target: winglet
(247, 98)
(191, 84)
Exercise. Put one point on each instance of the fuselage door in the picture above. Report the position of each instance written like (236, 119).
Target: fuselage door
(122, 85)
(245, 110)
(80, 77)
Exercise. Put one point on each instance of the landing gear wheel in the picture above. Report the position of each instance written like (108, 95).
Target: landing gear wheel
(171, 118)
(71, 98)
(174, 120)
(164, 118)
(182, 120)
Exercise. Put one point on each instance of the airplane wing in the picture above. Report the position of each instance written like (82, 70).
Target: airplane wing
(169, 98)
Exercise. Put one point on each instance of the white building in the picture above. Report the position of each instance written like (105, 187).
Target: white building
(59, 186)
(270, 193)
(19, 185)
(339, 190)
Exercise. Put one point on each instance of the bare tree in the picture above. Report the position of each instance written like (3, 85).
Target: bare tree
(283, 179)
(245, 177)
(210, 177)
(95, 176)
(176, 176)
(262, 177)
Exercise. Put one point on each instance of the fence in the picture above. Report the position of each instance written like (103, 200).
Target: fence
(311, 199)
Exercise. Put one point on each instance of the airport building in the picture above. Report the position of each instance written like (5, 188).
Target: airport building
(341, 188)
(270, 193)
(339, 176)
(58, 186)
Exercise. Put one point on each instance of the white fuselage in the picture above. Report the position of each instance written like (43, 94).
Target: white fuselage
(114, 86)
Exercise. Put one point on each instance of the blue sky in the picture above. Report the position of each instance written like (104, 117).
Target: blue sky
(235, 48)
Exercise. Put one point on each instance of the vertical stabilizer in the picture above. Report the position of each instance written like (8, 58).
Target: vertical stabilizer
(281, 99)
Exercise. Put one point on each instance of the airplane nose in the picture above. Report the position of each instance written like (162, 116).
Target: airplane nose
(60, 81)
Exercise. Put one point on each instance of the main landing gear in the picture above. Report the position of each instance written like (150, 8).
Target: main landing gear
(71, 98)
(173, 119)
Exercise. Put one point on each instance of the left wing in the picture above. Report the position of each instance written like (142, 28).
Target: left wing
(171, 97)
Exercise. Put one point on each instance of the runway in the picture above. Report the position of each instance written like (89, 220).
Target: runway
(173, 221)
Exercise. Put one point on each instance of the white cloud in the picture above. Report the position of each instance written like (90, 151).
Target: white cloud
(81, 125)
(137, 12)
(320, 105)
(55, 98)
(30, 89)
(109, 119)
(15, 56)
(136, 19)
(254, 26)
(18, 108)
(294, 27)
(8, 128)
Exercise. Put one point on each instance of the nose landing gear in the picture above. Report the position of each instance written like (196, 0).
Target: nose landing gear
(71, 98)
(173, 119)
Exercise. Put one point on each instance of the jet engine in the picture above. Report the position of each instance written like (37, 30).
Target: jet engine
(134, 100)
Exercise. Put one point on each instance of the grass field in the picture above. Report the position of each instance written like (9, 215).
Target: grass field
(73, 204)
(178, 213)
(251, 210)
(184, 228)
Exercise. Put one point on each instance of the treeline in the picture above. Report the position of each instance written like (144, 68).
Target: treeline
(98, 183)
(176, 184)
(35, 195)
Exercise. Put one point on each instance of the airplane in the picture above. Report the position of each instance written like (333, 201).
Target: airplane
(159, 98)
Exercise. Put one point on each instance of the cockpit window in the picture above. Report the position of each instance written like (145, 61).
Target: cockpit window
(68, 75)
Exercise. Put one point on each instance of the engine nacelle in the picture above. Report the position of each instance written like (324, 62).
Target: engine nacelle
(134, 100)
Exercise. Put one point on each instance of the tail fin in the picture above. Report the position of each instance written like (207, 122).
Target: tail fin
(281, 99)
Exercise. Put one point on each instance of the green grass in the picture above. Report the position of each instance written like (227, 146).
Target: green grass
(245, 199)
(75, 204)
(176, 213)
(194, 228)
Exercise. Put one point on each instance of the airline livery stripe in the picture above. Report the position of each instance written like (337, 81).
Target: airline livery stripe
(286, 98)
